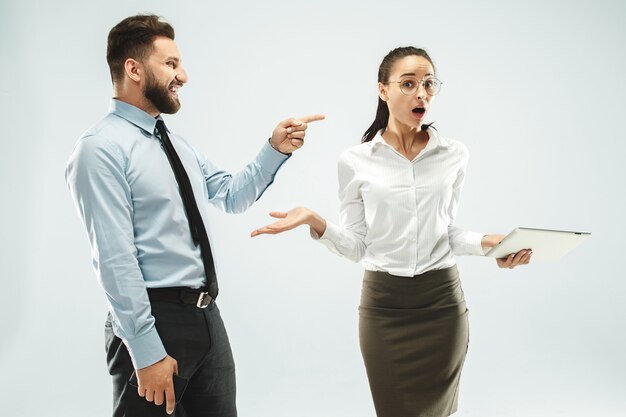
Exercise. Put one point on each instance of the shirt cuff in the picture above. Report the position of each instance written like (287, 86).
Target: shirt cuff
(472, 242)
(146, 350)
(331, 235)
(270, 159)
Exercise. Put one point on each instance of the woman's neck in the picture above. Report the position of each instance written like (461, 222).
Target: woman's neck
(407, 140)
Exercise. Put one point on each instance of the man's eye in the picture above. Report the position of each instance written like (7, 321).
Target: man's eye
(171, 64)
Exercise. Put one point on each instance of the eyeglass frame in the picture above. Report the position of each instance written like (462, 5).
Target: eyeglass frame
(420, 82)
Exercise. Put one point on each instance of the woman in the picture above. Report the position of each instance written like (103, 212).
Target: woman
(399, 191)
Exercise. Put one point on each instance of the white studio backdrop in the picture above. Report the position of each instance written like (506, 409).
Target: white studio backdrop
(536, 91)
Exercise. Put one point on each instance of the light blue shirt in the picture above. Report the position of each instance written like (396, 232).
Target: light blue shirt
(129, 201)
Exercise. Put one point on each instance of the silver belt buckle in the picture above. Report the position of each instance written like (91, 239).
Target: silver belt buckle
(204, 299)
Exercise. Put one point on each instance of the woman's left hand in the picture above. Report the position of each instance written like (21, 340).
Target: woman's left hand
(515, 259)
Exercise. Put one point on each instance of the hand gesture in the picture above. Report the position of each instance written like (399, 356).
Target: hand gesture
(288, 136)
(156, 382)
(292, 219)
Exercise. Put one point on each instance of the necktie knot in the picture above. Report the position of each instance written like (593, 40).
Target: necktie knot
(160, 126)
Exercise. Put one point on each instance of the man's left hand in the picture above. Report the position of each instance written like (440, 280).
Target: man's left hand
(288, 136)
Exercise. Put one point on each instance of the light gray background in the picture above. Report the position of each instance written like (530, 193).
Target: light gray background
(535, 89)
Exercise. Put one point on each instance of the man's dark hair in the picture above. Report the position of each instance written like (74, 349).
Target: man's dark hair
(133, 38)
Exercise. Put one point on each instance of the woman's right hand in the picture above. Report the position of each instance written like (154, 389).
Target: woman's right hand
(292, 219)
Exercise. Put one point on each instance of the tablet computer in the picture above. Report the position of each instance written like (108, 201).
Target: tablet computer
(546, 244)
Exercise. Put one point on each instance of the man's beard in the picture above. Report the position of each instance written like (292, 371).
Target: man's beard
(159, 95)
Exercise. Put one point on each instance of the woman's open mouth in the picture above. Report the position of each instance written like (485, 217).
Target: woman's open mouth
(418, 112)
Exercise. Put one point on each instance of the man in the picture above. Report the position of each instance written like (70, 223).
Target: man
(142, 194)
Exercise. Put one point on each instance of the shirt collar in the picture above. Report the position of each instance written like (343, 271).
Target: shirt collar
(434, 141)
(134, 115)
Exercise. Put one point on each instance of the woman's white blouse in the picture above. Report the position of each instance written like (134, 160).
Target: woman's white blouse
(398, 215)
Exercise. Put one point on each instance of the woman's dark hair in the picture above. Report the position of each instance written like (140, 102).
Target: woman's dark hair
(382, 112)
(133, 38)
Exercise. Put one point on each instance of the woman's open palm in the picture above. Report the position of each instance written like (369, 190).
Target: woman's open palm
(288, 220)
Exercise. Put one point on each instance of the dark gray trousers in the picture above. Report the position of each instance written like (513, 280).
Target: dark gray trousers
(197, 339)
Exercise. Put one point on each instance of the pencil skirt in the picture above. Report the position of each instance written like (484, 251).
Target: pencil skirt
(414, 336)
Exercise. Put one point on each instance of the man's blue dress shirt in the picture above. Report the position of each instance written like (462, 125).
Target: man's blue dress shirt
(129, 201)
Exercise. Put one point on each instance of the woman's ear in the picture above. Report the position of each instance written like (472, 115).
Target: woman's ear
(382, 92)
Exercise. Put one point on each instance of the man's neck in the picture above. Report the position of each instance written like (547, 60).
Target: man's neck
(136, 99)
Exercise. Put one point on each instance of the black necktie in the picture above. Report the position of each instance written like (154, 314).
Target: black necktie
(196, 225)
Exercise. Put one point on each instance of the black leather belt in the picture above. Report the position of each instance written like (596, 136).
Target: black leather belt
(181, 295)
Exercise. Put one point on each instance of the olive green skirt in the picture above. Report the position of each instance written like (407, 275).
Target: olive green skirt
(414, 336)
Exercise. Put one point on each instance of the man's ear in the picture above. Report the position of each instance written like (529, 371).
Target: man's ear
(382, 92)
(133, 70)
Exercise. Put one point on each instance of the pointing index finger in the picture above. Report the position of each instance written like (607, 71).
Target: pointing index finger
(311, 118)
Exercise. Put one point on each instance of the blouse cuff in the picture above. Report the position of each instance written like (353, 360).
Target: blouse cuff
(472, 243)
(331, 235)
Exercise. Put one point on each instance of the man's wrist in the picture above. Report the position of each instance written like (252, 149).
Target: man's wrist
(276, 148)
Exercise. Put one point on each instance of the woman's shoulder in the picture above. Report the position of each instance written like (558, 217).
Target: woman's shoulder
(459, 146)
(453, 145)
(355, 152)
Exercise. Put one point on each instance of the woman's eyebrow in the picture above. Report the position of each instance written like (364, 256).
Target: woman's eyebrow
(413, 74)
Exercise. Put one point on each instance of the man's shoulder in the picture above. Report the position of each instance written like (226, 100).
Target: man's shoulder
(110, 132)
(102, 140)
(109, 126)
